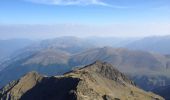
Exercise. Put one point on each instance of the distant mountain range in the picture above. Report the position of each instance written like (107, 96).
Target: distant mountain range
(97, 81)
(157, 44)
(152, 44)
(146, 67)
(23, 49)
(111, 41)
(124, 59)
(49, 57)
(148, 70)
(74, 44)
(55, 62)
(68, 44)
(8, 47)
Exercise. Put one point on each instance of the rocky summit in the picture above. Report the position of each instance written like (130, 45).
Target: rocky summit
(97, 81)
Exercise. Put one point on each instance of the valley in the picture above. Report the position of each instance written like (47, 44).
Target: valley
(148, 70)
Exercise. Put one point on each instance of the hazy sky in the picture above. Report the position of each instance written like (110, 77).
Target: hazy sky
(51, 18)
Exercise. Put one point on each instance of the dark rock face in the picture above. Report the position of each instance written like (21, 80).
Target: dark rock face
(52, 89)
(41, 88)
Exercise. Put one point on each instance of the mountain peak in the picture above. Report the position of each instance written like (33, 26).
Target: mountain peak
(100, 81)
(107, 71)
(33, 75)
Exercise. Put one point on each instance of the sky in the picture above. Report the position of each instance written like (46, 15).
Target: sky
(82, 18)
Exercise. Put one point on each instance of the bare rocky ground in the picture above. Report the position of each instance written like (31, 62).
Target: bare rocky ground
(97, 81)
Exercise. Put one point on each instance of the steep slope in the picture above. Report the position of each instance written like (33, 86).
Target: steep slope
(128, 61)
(98, 81)
(148, 70)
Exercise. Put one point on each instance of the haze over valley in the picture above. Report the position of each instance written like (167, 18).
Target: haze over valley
(84, 50)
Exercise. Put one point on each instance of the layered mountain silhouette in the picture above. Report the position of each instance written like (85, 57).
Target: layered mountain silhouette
(8, 47)
(155, 44)
(56, 62)
(48, 62)
(56, 56)
(69, 44)
(49, 57)
(152, 68)
(97, 81)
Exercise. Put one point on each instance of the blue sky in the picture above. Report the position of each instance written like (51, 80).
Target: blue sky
(118, 17)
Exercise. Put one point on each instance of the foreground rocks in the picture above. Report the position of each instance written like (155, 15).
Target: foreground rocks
(98, 81)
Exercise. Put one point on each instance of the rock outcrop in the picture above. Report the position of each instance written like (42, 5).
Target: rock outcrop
(97, 81)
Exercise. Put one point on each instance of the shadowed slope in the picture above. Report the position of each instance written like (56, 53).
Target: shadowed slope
(97, 81)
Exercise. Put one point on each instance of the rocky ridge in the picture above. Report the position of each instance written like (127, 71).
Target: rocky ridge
(97, 81)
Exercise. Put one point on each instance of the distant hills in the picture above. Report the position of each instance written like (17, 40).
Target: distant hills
(97, 81)
(123, 58)
(72, 44)
(69, 44)
(157, 44)
(49, 57)
(8, 47)
(55, 62)
(149, 68)
(111, 41)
